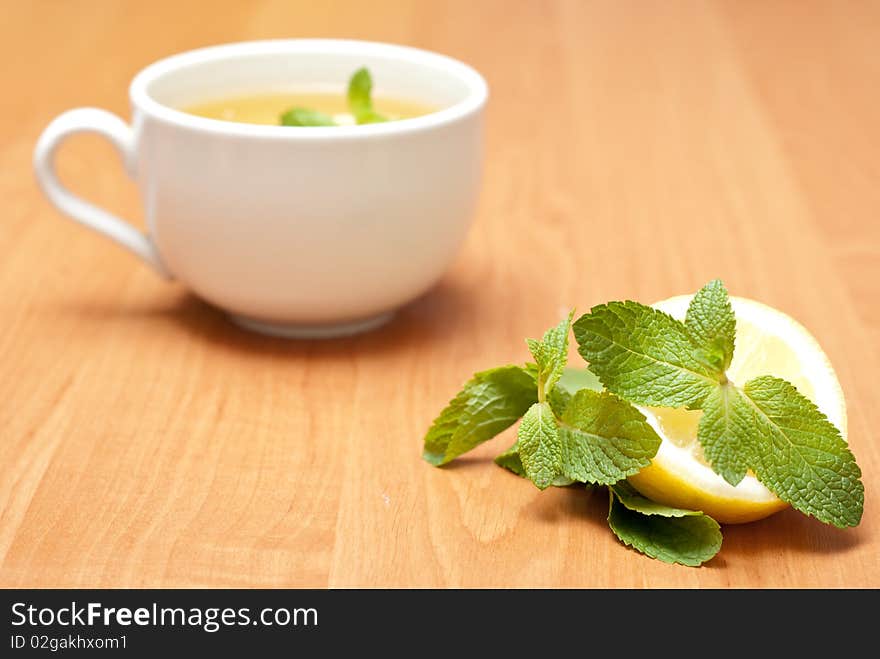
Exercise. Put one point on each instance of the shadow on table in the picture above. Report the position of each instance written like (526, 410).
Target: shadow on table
(431, 318)
(789, 531)
(580, 502)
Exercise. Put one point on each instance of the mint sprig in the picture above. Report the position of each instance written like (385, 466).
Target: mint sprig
(767, 426)
(570, 432)
(587, 437)
(573, 431)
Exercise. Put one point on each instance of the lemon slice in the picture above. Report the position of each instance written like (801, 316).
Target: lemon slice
(768, 342)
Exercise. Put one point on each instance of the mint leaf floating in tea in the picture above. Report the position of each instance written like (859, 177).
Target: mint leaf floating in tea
(587, 428)
(360, 105)
(305, 117)
(360, 100)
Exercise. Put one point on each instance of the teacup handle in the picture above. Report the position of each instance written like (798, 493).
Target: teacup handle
(93, 120)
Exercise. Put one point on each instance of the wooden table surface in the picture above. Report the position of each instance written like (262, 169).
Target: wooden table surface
(635, 149)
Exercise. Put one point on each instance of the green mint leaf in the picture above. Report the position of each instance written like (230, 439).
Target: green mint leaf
(671, 535)
(489, 403)
(305, 117)
(725, 432)
(800, 455)
(551, 355)
(540, 449)
(637, 502)
(644, 355)
(537, 350)
(712, 324)
(604, 439)
(360, 89)
(510, 460)
(360, 101)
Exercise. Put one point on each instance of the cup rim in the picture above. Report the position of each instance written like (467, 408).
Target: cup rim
(478, 91)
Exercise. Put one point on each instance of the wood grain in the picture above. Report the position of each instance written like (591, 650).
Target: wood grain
(635, 149)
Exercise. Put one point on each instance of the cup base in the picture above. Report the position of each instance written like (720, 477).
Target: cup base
(331, 331)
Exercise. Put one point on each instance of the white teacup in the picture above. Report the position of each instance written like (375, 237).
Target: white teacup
(300, 232)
